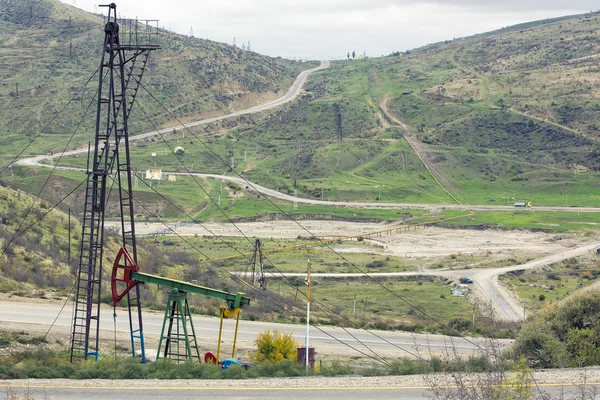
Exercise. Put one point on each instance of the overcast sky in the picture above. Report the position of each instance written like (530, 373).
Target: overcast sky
(325, 29)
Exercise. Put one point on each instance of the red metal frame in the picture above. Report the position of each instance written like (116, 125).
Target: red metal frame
(128, 266)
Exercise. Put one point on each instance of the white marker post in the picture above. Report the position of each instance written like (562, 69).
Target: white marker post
(306, 342)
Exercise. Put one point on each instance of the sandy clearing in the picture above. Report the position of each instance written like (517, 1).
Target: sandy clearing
(429, 242)
(435, 242)
(268, 229)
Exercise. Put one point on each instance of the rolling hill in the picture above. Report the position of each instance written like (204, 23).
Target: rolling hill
(502, 116)
(495, 118)
(49, 50)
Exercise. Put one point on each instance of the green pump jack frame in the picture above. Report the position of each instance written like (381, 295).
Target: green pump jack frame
(178, 327)
(126, 275)
(178, 317)
(178, 336)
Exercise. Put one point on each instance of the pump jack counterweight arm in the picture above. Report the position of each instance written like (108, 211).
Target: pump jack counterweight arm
(234, 300)
(126, 275)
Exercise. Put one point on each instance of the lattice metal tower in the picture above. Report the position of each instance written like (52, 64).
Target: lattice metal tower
(124, 57)
(258, 273)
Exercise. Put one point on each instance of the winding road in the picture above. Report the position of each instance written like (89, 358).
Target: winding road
(289, 96)
(486, 283)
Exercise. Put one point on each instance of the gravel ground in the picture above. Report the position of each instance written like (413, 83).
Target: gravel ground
(561, 376)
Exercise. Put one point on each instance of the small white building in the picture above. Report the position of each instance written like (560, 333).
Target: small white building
(154, 174)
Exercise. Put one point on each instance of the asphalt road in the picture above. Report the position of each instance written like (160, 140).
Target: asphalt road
(290, 95)
(485, 280)
(376, 344)
(75, 390)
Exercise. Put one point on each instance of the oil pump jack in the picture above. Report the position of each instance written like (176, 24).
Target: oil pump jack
(124, 58)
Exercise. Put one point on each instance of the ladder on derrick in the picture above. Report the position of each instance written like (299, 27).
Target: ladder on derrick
(121, 69)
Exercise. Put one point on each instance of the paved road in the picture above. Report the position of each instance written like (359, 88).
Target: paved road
(385, 343)
(485, 280)
(354, 204)
(179, 390)
(291, 94)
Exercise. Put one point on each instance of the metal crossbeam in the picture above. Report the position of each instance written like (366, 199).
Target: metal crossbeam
(234, 301)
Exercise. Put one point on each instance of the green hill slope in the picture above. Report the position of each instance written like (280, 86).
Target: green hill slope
(48, 50)
(498, 117)
(510, 114)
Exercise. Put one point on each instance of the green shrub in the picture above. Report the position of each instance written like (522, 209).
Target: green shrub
(275, 346)
(408, 367)
(195, 370)
(336, 368)
(234, 372)
(563, 334)
(131, 368)
(281, 369)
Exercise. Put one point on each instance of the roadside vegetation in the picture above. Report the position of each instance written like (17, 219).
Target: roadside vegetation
(564, 334)
(43, 364)
(538, 287)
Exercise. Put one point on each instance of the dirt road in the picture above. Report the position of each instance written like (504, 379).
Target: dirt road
(543, 248)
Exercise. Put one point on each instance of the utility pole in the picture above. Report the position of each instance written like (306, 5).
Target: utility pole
(17, 88)
(306, 343)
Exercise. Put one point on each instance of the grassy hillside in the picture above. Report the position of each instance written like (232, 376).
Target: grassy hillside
(48, 50)
(510, 114)
(498, 117)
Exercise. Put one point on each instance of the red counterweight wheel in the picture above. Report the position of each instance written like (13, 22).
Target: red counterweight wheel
(121, 275)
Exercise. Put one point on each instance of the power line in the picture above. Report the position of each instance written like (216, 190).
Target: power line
(239, 280)
(208, 195)
(291, 218)
(54, 166)
(48, 124)
(43, 216)
(319, 304)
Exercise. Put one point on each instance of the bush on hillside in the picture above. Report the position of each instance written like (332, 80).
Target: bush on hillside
(564, 334)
